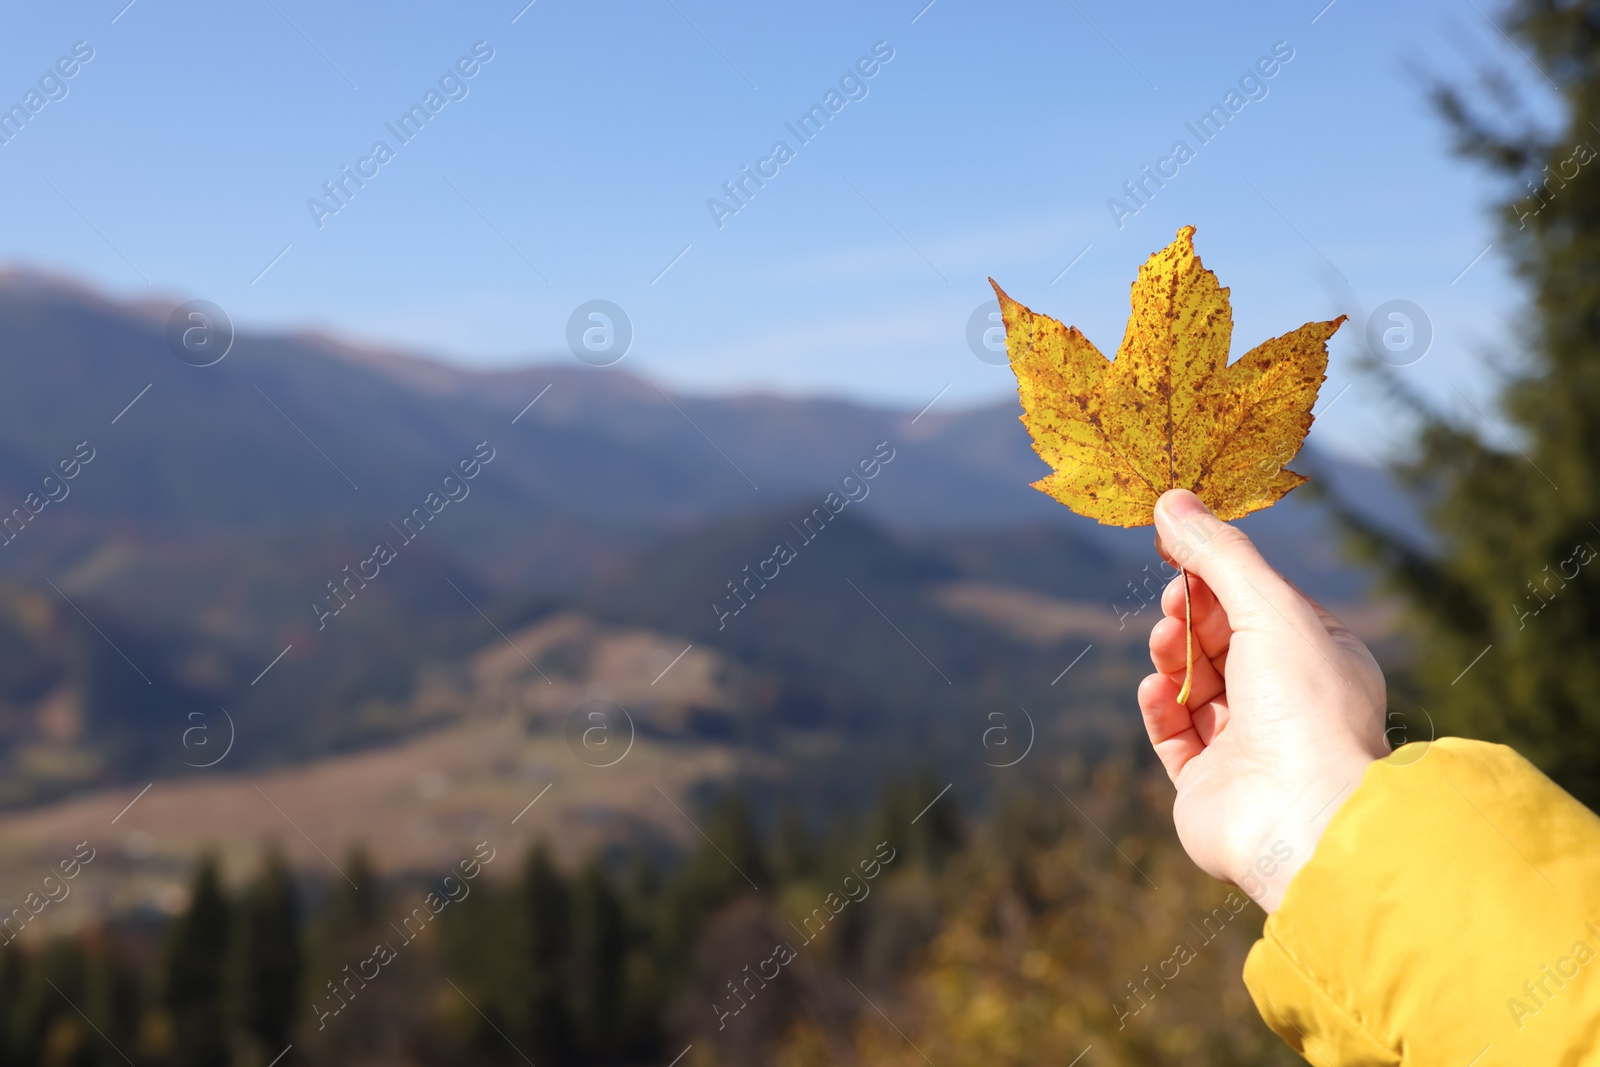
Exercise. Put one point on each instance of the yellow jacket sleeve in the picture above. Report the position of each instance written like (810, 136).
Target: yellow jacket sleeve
(1450, 915)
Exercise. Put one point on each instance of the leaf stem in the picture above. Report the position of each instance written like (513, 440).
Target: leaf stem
(1188, 634)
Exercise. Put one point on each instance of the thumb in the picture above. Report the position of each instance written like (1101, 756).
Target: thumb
(1195, 539)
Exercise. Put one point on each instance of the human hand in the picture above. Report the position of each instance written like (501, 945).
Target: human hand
(1285, 712)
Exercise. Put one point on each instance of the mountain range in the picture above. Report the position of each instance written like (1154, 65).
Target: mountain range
(292, 534)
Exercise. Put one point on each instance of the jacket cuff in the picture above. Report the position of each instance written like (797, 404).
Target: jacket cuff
(1300, 1009)
(1424, 926)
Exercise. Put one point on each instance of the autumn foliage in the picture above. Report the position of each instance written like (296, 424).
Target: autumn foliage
(1169, 412)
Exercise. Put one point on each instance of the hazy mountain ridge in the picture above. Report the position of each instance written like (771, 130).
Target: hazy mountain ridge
(227, 507)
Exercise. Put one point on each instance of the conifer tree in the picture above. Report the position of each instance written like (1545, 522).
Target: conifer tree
(547, 922)
(730, 860)
(271, 957)
(112, 1000)
(193, 991)
(12, 979)
(795, 849)
(47, 1028)
(346, 929)
(1515, 579)
(925, 817)
(598, 953)
(726, 862)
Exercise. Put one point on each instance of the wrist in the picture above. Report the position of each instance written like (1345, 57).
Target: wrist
(1291, 838)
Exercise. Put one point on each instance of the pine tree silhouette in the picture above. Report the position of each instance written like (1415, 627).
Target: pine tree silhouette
(1508, 609)
(547, 921)
(271, 957)
(193, 991)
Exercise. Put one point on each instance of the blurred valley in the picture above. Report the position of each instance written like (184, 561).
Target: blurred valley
(342, 606)
(222, 507)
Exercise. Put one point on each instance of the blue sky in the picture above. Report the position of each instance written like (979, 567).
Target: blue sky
(579, 162)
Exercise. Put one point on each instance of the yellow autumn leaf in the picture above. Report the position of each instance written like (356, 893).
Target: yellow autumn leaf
(1169, 412)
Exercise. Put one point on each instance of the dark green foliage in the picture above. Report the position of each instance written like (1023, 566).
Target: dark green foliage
(113, 1000)
(732, 860)
(46, 1026)
(1519, 526)
(356, 901)
(936, 832)
(617, 963)
(579, 970)
(727, 862)
(599, 944)
(193, 989)
(11, 979)
(360, 914)
(271, 958)
(795, 852)
(41, 997)
(547, 919)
